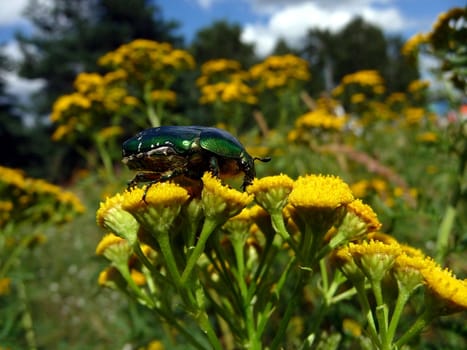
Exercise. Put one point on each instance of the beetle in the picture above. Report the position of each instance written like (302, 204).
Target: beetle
(167, 152)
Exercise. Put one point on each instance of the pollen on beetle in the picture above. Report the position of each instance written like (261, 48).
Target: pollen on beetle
(271, 192)
(221, 201)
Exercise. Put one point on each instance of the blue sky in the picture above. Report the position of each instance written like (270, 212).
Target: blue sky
(266, 20)
(263, 21)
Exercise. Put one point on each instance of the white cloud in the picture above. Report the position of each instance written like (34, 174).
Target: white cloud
(291, 20)
(206, 4)
(15, 85)
(11, 12)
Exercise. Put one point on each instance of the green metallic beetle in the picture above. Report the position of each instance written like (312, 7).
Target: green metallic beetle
(167, 152)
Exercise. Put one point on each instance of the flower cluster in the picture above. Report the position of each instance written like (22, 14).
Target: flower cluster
(384, 263)
(223, 81)
(356, 88)
(277, 72)
(204, 245)
(148, 60)
(34, 201)
(95, 104)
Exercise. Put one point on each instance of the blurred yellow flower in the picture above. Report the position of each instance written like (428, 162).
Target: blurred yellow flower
(279, 71)
(363, 77)
(411, 46)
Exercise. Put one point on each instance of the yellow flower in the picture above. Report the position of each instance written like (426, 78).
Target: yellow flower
(160, 207)
(365, 213)
(320, 118)
(357, 98)
(279, 71)
(383, 237)
(110, 131)
(111, 216)
(320, 191)
(155, 345)
(418, 85)
(427, 137)
(319, 202)
(110, 277)
(351, 326)
(219, 65)
(360, 188)
(240, 223)
(413, 115)
(407, 271)
(374, 258)
(271, 192)
(5, 285)
(107, 241)
(164, 96)
(363, 77)
(345, 261)
(221, 201)
(411, 46)
(138, 277)
(446, 293)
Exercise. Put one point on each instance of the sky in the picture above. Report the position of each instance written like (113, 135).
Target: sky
(263, 21)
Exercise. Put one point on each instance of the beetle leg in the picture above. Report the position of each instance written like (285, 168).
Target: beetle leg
(143, 177)
(214, 166)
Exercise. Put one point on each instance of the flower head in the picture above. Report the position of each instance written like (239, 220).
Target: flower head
(220, 201)
(320, 201)
(271, 192)
(113, 217)
(445, 293)
(161, 205)
(374, 258)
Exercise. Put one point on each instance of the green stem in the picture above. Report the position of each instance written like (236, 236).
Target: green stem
(416, 328)
(238, 243)
(13, 257)
(154, 119)
(381, 314)
(444, 232)
(208, 228)
(164, 243)
(106, 160)
(402, 299)
(362, 298)
(278, 224)
(26, 317)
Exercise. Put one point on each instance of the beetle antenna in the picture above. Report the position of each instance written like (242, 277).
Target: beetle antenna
(262, 159)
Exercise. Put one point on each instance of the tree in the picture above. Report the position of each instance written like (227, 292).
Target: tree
(358, 46)
(69, 36)
(18, 144)
(222, 40)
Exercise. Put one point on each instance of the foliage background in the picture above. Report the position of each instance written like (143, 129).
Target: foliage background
(407, 162)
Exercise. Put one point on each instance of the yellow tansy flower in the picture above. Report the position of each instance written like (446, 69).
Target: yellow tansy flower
(113, 217)
(161, 205)
(320, 191)
(365, 213)
(271, 192)
(221, 201)
(446, 293)
(107, 241)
